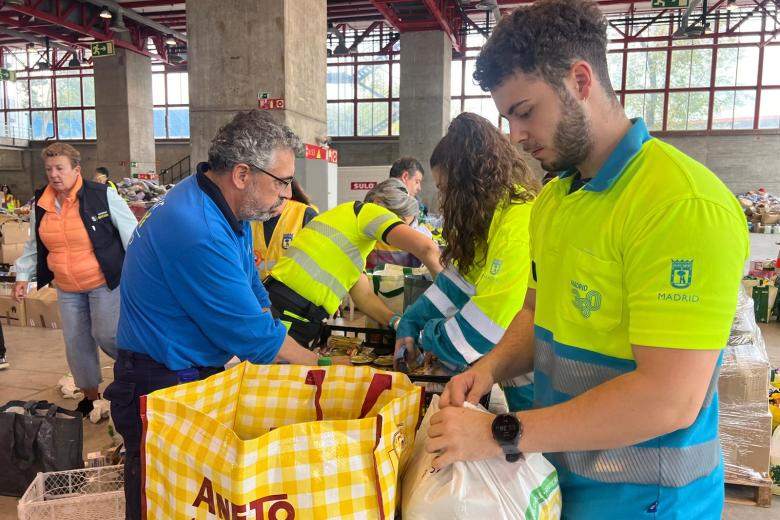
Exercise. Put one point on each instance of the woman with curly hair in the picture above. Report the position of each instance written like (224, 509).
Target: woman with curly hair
(486, 193)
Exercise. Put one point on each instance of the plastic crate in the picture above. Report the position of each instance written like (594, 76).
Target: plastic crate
(83, 494)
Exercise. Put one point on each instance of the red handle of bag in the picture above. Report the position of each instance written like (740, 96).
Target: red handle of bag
(315, 378)
(379, 384)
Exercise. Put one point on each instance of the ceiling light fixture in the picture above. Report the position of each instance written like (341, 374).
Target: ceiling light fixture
(170, 41)
(105, 13)
(732, 6)
(74, 61)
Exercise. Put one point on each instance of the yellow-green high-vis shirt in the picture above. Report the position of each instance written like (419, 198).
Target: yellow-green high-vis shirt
(327, 257)
(649, 252)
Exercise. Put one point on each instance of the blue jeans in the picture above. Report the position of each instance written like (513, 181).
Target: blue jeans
(89, 320)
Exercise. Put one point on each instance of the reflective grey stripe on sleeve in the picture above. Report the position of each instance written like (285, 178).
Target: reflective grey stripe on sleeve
(308, 264)
(440, 300)
(341, 241)
(567, 375)
(457, 338)
(373, 226)
(671, 467)
(461, 283)
(481, 322)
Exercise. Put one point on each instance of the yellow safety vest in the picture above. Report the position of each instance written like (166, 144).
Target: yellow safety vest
(289, 224)
(328, 256)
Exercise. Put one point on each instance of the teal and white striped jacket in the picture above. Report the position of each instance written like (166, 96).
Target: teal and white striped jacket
(461, 318)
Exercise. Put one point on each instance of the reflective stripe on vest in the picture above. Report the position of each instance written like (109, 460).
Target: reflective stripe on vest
(373, 226)
(672, 467)
(309, 265)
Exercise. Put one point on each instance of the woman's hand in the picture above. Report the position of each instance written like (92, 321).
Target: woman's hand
(20, 291)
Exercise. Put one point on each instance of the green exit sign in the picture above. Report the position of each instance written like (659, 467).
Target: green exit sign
(7, 75)
(102, 49)
(668, 4)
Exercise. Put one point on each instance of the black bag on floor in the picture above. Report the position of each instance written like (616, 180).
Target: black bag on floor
(37, 436)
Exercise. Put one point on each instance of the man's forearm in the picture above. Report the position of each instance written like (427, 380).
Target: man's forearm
(623, 411)
(295, 354)
(514, 354)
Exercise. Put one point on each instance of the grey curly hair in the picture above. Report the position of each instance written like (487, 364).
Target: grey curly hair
(253, 138)
(393, 195)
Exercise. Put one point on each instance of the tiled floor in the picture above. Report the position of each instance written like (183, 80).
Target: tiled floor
(37, 360)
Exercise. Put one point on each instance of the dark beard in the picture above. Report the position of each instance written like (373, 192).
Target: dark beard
(572, 140)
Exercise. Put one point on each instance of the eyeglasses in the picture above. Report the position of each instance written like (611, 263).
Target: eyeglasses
(284, 182)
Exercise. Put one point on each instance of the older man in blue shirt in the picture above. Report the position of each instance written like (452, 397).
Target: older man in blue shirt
(191, 296)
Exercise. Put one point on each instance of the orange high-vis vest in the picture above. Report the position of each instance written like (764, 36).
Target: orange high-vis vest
(71, 255)
(289, 224)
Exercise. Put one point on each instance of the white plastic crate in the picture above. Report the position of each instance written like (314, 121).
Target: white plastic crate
(79, 494)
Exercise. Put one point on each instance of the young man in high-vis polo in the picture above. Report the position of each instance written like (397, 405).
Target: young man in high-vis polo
(637, 253)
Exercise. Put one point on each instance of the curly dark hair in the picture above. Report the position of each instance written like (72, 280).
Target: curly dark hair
(482, 170)
(544, 39)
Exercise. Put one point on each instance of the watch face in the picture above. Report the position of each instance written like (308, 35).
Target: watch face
(506, 428)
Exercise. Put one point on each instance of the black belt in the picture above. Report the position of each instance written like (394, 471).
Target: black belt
(188, 374)
(284, 298)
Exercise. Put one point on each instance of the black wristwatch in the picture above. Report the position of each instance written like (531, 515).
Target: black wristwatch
(507, 431)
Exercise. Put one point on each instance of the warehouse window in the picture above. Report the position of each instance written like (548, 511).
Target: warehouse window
(720, 81)
(363, 87)
(171, 98)
(46, 104)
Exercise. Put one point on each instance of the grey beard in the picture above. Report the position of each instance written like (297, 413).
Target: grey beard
(261, 217)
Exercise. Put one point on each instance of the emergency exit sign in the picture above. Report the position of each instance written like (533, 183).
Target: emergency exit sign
(7, 75)
(102, 49)
(668, 4)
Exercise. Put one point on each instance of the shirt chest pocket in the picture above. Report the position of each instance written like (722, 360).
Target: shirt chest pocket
(592, 296)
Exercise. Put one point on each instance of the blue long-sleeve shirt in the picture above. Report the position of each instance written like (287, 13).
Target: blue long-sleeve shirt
(191, 295)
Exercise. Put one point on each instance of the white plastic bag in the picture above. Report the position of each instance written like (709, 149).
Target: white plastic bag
(488, 489)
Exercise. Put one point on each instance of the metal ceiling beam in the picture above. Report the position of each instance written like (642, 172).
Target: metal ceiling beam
(88, 30)
(386, 9)
(449, 20)
(150, 3)
(117, 8)
(35, 39)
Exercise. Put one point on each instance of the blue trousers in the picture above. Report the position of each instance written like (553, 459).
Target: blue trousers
(136, 375)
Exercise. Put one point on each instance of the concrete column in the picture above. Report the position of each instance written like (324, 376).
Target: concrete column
(426, 60)
(123, 113)
(239, 48)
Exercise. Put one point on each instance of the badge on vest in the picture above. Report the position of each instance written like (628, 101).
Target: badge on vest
(585, 300)
(495, 267)
(286, 239)
(682, 274)
(100, 216)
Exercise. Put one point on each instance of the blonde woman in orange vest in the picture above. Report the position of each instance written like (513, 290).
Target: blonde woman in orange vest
(272, 237)
(79, 231)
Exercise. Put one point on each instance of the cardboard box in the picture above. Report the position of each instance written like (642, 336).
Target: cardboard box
(11, 312)
(742, 382)
(746, 447)
(42, 309)
(14, 232)
(770, 218)
(10, 252)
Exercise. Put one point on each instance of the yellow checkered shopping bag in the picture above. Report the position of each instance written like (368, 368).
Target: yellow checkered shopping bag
(273, 442)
